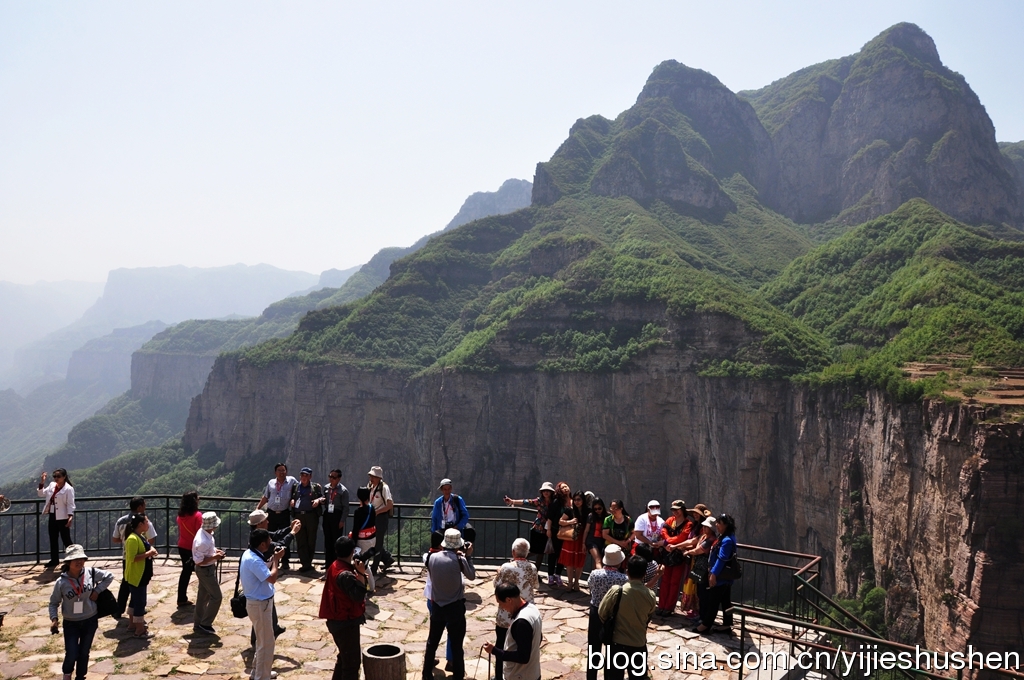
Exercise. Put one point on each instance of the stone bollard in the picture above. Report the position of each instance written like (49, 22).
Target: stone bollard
(384, 662)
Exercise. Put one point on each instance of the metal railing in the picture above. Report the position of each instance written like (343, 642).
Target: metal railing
(827, 651)
(24, 534)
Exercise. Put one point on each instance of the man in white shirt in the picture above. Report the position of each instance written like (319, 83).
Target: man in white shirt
(206, 556)
(277, 496)
(380, 498)
(647, 528)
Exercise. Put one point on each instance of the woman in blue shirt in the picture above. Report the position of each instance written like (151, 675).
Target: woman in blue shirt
(719, 588)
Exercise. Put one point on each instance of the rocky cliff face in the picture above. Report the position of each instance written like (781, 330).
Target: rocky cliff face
(167, 377)
(939, 493)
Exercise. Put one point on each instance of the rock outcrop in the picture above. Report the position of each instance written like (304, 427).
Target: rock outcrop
(857, 137)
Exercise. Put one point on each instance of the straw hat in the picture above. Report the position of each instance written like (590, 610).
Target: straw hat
(257, 517)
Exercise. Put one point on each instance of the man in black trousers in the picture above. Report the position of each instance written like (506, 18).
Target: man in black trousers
(335, 514)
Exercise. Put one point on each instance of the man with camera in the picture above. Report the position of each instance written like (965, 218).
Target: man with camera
(448, 600)
(258, 584)
(343, 604)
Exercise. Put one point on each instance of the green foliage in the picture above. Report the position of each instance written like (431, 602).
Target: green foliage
(904, 287)
(125, 423)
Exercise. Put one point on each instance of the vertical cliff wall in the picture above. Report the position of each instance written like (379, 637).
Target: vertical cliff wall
(171, 378)
(933, 493)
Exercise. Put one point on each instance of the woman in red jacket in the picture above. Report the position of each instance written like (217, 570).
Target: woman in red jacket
(676, 534)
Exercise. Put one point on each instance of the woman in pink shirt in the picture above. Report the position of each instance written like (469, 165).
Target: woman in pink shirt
(190, 522)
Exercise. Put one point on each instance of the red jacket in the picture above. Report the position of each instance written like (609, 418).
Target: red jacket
(335, 605)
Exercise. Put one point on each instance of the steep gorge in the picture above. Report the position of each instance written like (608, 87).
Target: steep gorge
(938, 486)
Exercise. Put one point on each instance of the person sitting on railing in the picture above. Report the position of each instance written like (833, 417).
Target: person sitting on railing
(136, 506)
(282, 538)
(364, 523)
(75, 594)
(647, 529)
(60, 508)
(449, 510)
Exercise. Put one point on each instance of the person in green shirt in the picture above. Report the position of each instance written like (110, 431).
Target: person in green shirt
(636, 606)
(138, 570)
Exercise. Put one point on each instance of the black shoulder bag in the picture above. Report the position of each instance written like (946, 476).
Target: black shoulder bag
(608, 627)
(106, 603)
(238, 608)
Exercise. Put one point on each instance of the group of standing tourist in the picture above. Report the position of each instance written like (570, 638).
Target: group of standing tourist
(688, 558)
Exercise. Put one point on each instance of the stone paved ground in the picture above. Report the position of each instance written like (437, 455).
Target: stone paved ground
(397, 614)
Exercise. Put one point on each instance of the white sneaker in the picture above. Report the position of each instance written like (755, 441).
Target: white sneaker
(273, 674)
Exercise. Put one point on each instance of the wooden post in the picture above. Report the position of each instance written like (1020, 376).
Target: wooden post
(384, 662)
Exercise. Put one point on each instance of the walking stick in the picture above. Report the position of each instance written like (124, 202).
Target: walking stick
(476, 673)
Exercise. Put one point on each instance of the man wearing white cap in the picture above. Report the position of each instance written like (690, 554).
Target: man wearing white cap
(448, 598)
(647, 528)
(206, 555)
(449, 510)
(380, 499)
(600, 582)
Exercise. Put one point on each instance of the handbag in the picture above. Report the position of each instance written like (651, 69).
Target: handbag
(699, 573)
(673, 558)
(569, 532)
(608, 626)
(106, 603)
(238, 608)
(732, 570)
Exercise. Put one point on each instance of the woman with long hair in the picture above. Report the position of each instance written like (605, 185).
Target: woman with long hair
(594, 531)
(60, 508)
(561, 501)
(190, 523)
(138, 571)
(539, 531)
(574, 553)
(74, 596)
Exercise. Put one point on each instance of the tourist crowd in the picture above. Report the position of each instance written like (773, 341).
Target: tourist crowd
(688, 558)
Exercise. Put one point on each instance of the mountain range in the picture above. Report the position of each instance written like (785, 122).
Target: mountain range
(714, 296)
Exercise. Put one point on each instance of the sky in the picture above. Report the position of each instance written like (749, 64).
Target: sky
(309, 135)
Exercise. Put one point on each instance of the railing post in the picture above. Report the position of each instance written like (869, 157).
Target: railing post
(167, 527)
(398, 527)
(38, 519)
(743, 643)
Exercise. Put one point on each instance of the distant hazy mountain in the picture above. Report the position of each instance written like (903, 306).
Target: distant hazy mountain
(169, 294)
(28, 312)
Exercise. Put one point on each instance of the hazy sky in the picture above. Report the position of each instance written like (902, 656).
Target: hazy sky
(309, 135)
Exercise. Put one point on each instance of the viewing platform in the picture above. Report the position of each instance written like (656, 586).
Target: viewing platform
(397, 613)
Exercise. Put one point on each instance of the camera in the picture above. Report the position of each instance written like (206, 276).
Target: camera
(364, 557)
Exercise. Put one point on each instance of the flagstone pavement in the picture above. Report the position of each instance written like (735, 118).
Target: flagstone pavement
(397, 613)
